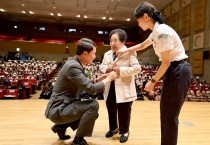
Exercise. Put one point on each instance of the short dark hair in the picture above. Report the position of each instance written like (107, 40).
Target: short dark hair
(150, 10)
(84, 44)
(121, 33)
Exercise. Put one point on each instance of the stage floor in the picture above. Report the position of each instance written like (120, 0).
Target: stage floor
(22, 122)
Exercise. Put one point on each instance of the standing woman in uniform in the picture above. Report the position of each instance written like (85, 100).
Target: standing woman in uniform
(175, 71)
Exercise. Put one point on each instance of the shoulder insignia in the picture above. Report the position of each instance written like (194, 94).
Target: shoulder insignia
(163, 36)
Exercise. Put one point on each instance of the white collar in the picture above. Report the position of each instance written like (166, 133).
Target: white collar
(156, 26)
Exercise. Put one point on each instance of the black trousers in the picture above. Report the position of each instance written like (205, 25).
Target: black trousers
(118, 112)
(176, 82)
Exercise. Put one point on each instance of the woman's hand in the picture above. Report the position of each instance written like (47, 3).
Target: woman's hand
(110, 68)
(121, 52)
(149, 86)
(117, 70)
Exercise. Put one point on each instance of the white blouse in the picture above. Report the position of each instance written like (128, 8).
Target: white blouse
(165, 38)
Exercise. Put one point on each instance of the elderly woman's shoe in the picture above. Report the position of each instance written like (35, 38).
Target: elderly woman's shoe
(124, 137)
(111, 133)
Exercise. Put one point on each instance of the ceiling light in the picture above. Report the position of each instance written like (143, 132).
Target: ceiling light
(23, 5)
(128, 19)
(17, 49)
(31, 12)
(78, 16)
(2, 10)
(15, 27)
(23, 12)
(51, 14)
(104, 18)
(59, 14)
(85, 16)
(110, 18)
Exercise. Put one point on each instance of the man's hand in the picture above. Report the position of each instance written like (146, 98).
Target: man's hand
(102, 77)
(112, 75)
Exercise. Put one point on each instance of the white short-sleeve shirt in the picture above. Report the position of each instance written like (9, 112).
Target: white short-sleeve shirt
(165, 38)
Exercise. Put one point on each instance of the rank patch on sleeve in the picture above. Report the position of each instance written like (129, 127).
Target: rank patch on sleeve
(163, 36)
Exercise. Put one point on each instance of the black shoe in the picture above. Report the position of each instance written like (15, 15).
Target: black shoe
(81, 142)
(124, 138)
(60, 131)
(111, 133)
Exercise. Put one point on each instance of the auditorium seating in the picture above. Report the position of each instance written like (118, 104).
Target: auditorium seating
(2, 92)
(24, 74)
(12, 93)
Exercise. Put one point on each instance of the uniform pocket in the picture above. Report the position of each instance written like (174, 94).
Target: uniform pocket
(126, 80)
(129, 91)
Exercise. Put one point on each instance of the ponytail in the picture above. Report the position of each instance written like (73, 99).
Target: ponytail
(158, 17)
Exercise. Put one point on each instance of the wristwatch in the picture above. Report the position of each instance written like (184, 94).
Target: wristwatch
(153, 80)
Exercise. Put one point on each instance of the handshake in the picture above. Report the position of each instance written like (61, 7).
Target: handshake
(107, 78)
(114, 68)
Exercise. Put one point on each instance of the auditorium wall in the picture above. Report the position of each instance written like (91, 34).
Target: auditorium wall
(191, 20)
(45, 51)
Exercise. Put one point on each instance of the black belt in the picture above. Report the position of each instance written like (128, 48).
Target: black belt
(177, 62)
